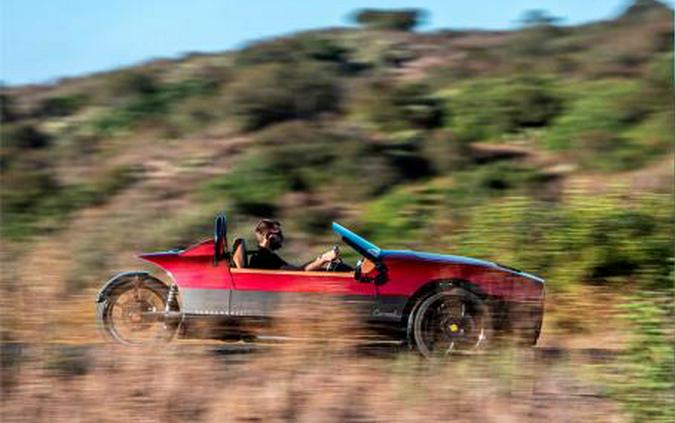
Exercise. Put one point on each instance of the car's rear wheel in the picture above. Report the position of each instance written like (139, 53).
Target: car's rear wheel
(132, 312)
(449, 322)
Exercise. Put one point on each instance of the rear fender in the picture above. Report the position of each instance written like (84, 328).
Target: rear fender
(117, 280)
(193, 268)
(436, 286)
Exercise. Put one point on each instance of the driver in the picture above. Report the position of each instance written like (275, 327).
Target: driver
(270, 238)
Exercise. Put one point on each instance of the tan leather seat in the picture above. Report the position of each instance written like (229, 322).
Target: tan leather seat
(239, 255)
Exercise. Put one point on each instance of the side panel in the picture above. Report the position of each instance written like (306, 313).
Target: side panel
(206, 301)
(270, 293)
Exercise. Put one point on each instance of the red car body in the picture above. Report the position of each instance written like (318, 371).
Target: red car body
(385, 285)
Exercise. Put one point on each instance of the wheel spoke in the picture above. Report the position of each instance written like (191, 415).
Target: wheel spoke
(449, 323)
(127, 318)
(450, 349)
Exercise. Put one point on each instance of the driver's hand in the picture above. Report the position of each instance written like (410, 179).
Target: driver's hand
(330, 255)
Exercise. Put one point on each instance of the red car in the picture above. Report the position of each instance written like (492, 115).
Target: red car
(439, 304)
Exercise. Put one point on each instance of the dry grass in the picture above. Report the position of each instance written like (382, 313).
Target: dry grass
(321, 380)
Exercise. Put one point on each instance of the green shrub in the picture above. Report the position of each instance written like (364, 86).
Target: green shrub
(656, 87)
(8, 112)
(61, 106)
(489, 108)
(601, 108)
(134, 83)
(27, 137)
(24, 185)
(266, 94)
(642, 379)
(408, 213)
(611, 127)
(301, 157)
(296, 49)
(33, 201)
(153, 103)
(400, 216)
(605, 151)
(445, 152)
(400, 107)
(600, 240)
(252, 188)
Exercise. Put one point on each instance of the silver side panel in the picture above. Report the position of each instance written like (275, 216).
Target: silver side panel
(206, 301)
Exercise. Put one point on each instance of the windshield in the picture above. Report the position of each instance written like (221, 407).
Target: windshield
(358, 243)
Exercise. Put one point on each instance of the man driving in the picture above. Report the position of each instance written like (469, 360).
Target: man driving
(271, 238)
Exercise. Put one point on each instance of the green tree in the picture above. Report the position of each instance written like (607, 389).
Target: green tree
(539, 31)
(400, 20)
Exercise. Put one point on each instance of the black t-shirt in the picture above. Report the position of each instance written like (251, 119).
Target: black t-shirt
(264, 258)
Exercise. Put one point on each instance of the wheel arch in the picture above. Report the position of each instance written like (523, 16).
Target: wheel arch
(121, 278)
(434, 286)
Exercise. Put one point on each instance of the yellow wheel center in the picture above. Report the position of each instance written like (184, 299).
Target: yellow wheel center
(454, 327)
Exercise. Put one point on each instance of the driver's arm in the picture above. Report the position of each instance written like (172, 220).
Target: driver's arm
(321, 261)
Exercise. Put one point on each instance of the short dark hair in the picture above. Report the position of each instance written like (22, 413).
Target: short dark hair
(267, 225)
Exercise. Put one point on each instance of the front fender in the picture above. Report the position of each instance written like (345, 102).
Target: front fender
(116, 280)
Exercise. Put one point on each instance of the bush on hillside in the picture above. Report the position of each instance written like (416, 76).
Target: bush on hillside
(301, 157)
(299, 48)
(595, 111)
(8, 111)
(411, 212)
(400, 107)
(445, 152)
(27, 137)
(272, 93)
(36, 201)
(156, 103)
(642, 377)
(598, 128)
(60, 106)
(489, 108)
(134, 83)
(657, 84)
(599, 240)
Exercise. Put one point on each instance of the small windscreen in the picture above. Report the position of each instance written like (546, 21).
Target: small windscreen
(357, 242)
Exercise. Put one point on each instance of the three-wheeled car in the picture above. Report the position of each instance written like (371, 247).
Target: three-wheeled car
(438, 304)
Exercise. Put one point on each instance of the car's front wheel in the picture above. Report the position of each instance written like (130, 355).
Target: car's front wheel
(132, 313)
(449, 322)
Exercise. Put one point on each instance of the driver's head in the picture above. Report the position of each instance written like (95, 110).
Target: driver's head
(268, 232)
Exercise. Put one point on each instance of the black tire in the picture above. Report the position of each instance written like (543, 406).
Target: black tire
(149, 294)
(447, 322)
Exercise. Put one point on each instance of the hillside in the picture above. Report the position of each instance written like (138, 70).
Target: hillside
(548, 148)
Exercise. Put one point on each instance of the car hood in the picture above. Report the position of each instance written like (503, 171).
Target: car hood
(437, 258)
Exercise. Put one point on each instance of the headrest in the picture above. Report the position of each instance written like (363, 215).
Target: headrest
(239, 256)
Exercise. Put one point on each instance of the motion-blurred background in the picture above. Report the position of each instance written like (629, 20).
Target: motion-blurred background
(545, 146)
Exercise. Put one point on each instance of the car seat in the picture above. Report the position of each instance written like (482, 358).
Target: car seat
(239, 254)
